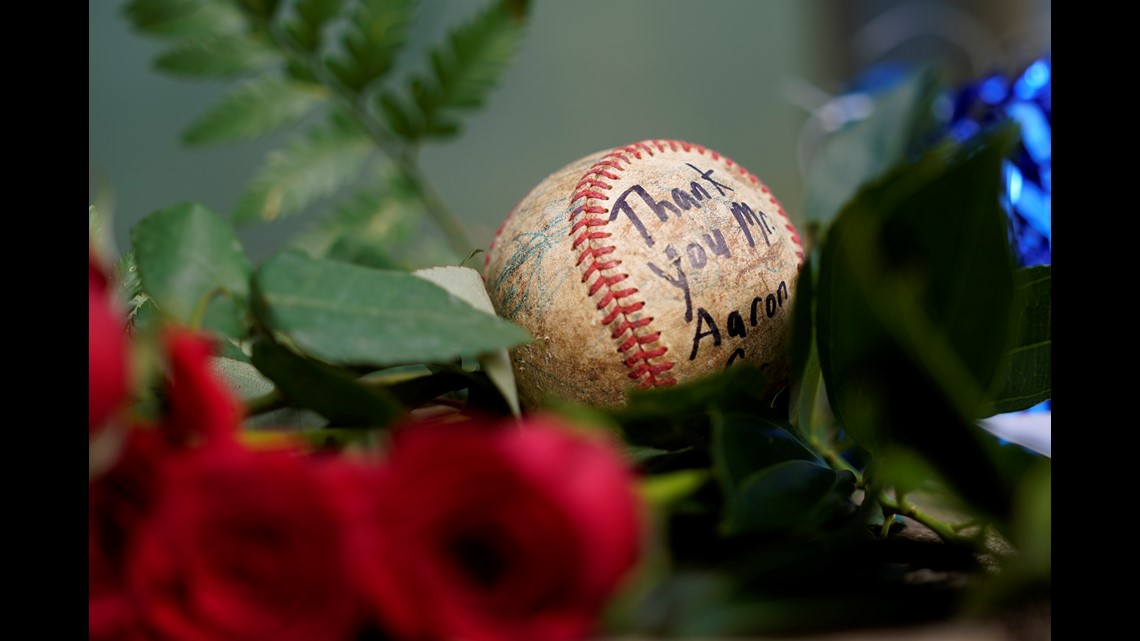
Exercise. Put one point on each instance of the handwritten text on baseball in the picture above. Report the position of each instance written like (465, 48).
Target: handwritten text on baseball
(753, 224)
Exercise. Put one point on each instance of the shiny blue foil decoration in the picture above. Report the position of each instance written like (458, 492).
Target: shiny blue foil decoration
(1026, 99)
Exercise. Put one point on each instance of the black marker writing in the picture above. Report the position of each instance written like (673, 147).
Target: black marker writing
(682, 201)
(745, 218)
(762, 306)
(681, 282)
(704, 318)
(720, 187)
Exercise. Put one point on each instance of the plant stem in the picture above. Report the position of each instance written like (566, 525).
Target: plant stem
(198, 315)
(399, 152)
(888, 521)
(899, 505)
(943, 529)
(433, 203)
(834, 459)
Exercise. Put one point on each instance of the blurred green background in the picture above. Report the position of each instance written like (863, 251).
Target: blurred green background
(748, 78)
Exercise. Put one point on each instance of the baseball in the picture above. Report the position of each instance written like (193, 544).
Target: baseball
(644, 266)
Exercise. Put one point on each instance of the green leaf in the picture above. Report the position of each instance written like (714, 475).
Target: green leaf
(127, 276)
(805, 401)
(679, 417)
(914, 310)
(376, 32)
(464, 69)
(1026, 378)
(791, 494)
(220, 56)
(327, 390)
(467, 284)
(305, 170)
(227, 348)
(744, 443)
(1033, 520)
(310, 19)
(744, 447)
(373, 228)
(426, 387)
(242, 378)
(663, 490)
(803, 319)
(397, 116)
(257, 108)
(226, 317)
(184, 254)
(141, 310)
(901, 117)
(347, 314)
(261, 8)
(806, 373)
(908, 472)
(181, 18)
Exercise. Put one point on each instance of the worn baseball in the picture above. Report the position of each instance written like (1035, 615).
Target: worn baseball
(644, 266)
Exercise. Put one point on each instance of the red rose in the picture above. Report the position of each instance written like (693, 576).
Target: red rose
(120, 499)
(481, 533)
(244, 545)
(107, 366)
(119, 502)
(199, 402)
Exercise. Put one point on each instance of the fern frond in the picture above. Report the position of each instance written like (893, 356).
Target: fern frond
(263, 9)
(307, 27)
(372, 227)
(175, 19)
(319, 164)
(259, 107)
(222, 56)
(376, 32)
(463, 71)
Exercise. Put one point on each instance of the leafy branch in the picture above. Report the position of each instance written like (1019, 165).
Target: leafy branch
(290, 73)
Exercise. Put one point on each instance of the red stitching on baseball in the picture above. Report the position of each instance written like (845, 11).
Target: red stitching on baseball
(606, 281)
(588, 222)
(589, 236)
(590, 251)
(620, 309)
(628, 344)
(646, 373)
(589, 194)
(637, 373)
(591, 182)
(595, 266)
(626, 325)
(600, 171)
